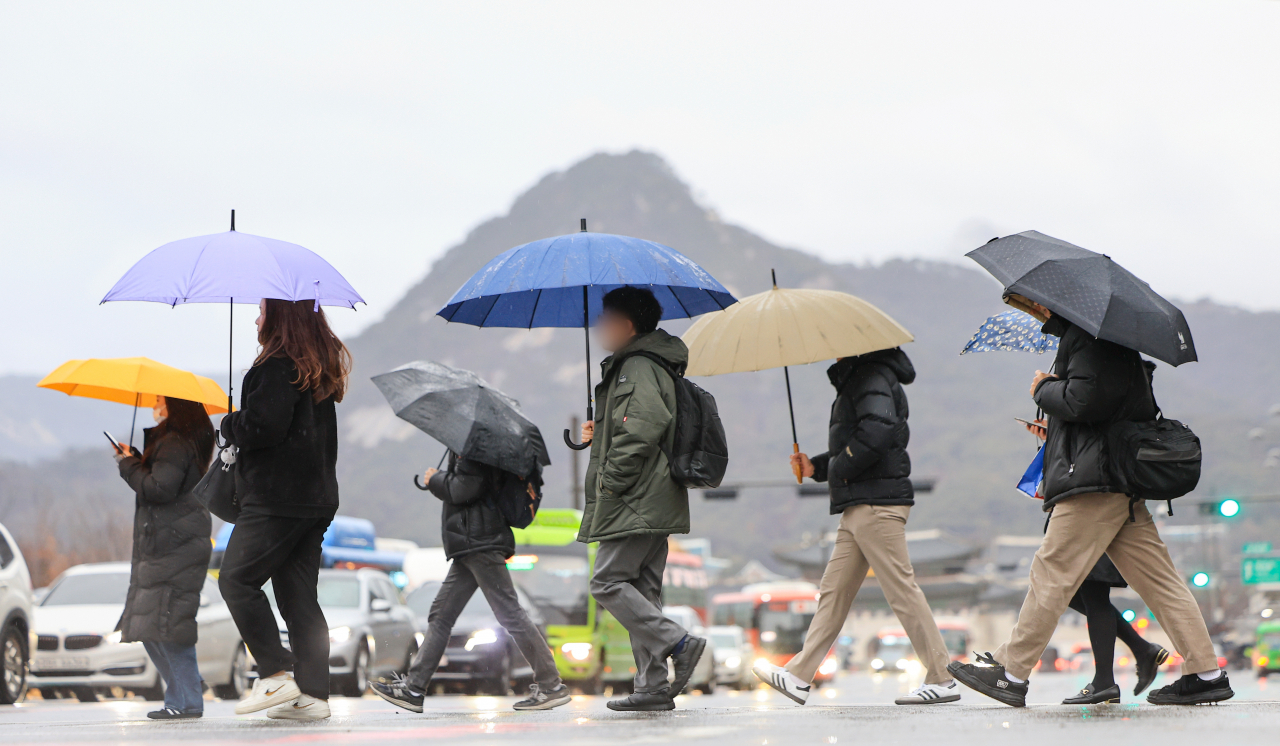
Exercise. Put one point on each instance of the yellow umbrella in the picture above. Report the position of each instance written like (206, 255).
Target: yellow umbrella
(783, 327)
(134, 380)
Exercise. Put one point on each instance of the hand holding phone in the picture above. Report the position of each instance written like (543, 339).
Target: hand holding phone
(1037, 428)
(114, 443)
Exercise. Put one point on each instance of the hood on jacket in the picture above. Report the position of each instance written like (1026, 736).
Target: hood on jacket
(895, 360)
(672, 349)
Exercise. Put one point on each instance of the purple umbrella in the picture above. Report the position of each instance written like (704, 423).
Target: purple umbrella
(231, 268)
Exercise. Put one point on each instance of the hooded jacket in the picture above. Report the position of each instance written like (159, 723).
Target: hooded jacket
(470, 521)
(288, 443)
(170, 542)
(866, 462)
(1099, 382)
(629, 489)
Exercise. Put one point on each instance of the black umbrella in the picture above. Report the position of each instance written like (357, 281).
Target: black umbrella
(472, 419)
(1091, 291)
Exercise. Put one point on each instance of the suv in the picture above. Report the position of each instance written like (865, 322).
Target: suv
(15, 620)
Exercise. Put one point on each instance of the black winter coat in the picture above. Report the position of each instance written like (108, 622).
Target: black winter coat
(866, 462)
(470, 520)
(288, 444)
(170, 543)
(1099, 382)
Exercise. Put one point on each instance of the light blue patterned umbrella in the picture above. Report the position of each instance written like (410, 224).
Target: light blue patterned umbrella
(1017, 331)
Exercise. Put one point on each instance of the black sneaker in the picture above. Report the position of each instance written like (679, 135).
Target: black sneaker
(1193, 690)
(1149, 667)
(643, 702)
(170, 713)
(685, 661)
(1091, 695)
(540, 700)
(397, 693)
(989, 679)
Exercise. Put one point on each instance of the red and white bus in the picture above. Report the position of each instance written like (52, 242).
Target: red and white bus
(776, 617)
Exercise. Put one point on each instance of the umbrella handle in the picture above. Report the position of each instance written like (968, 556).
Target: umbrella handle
(418, 484)
(568, 440)
(795, 448)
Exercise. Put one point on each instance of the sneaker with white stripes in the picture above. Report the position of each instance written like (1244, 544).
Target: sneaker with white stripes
(791, 686)
(931, 694)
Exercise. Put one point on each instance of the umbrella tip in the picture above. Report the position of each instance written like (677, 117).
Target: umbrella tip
(997, 238)
(774, 274)
(582, 224)
(233, 220)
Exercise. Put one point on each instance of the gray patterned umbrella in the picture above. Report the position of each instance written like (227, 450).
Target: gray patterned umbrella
(1091, 291)
(471, 418)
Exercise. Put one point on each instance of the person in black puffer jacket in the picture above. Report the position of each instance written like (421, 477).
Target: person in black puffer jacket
(869, 475)
(170, 549)
(478, 541)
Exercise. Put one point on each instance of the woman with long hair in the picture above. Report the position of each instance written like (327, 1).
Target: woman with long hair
(170, 549)
(286, 432)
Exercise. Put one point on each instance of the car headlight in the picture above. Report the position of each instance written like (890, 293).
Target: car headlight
(900, 664)
(339, 635)
(761, 663)
(115, 637)
(877, 664)
(419, 638)
(828, 667)
(578, 651)
(481, 637)
(732, 662)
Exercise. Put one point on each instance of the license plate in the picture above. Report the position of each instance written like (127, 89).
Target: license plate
(60, 664)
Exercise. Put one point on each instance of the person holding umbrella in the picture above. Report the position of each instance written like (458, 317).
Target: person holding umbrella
(170, 549)
(493, 447)
(1102, 315)
(286, 483)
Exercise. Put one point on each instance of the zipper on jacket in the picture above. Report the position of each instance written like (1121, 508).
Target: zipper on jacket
(1071, 470)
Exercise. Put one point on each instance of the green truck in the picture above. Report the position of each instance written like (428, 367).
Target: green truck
(1266, 648)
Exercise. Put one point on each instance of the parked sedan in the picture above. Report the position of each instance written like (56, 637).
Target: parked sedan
(79, 653)
(733, 656)
(481, 656)
(371, 631)
(15, 620)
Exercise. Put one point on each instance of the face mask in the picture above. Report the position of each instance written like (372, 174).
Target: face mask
(158, 415)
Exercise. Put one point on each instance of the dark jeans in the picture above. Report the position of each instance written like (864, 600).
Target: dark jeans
(628, 584)
(488, 572)
(1093, 599)
(286, 551)
(177, 666)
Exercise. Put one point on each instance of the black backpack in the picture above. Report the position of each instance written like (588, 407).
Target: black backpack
(518, 498)
(700, 454)
(1155, 459)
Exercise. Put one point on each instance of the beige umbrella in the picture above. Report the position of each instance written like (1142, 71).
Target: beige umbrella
(783, 327)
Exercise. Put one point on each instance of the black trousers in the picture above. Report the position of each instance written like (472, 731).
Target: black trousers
(286, 551)
(488, 572)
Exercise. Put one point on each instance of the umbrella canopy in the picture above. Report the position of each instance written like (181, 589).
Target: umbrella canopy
(545, 283)
(1013, 331)
(1091, 291)
(471, 418)
(134, 380)
(784, 326)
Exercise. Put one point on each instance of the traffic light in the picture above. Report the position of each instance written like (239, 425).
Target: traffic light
(1229, 508)
(1128, 615)
(1200, 579)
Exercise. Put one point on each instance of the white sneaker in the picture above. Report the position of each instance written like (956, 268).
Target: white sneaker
(269, 692)
(779, 678)
(305, 707)
(931, 694)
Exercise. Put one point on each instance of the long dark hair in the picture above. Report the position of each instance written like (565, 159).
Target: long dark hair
(295, 330)
(189, 421)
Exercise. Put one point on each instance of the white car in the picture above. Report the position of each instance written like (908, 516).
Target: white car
(79, 654)
(704, 674)
(15, 620)
(733, 656)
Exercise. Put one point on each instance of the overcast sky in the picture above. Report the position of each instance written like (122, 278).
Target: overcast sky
(378, 134)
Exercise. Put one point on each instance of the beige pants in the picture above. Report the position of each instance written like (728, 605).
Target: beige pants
(1081, 529)
(872, 536)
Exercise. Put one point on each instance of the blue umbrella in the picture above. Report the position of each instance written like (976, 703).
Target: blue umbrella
(560, 281)
(1016, 331)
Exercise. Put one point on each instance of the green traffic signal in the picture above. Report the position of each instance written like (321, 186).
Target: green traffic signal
(1200, 579)
(1229, 508)
(1128, 615)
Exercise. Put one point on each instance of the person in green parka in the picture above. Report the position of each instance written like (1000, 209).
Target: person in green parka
(632, 503)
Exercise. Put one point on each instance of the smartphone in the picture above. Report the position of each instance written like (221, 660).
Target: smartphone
(114, 443)
(1028, 423)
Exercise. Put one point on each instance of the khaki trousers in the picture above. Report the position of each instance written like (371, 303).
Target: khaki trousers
(872, 537)
(1080, 530)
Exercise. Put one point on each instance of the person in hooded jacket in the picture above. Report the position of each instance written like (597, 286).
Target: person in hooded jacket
(477, 541)
(868, 472)
(1097, 383)
(170, 549)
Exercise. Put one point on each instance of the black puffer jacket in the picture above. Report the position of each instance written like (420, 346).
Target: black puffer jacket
(288, 444)
(1098, 383)
(170, 543)
(470, 521)
(866, 462)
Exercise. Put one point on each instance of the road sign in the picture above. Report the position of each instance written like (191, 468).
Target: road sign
(1260, 570)
(1257, 547)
